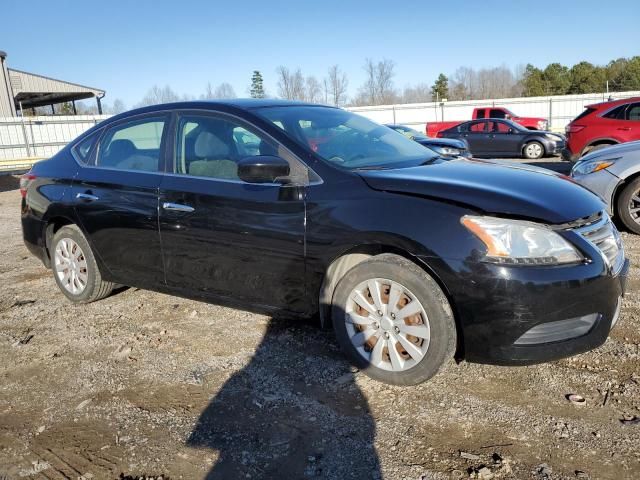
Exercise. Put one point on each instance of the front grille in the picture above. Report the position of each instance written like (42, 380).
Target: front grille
(604, 235)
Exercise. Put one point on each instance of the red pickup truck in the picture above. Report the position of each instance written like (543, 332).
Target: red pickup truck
(532, 123)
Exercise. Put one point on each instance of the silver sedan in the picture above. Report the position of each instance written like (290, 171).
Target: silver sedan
(613, 173)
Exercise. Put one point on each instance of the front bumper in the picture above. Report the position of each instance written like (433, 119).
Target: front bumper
(496, 305)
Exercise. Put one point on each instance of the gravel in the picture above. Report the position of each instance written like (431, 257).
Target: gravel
(143, 384)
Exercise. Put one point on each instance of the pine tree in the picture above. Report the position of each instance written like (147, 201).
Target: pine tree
(257, 89)
(440, 89)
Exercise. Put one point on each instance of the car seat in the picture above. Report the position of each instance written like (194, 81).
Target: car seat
(213, 158)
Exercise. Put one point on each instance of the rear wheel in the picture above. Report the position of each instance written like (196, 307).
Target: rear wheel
(533, 150)
(393, 320)
(628, 206)
(596, 147)
(74, 267)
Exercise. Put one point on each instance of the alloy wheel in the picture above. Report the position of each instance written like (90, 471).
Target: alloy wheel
(70, 266)
(634, 207)
(387, 324)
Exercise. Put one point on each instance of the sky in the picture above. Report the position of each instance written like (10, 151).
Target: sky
(126, 47)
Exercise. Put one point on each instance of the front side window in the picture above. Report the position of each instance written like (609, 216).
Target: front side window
(133, 145)
(346, 139)
(211, 146)
(633, 112)
(480, 113)
(499, 127)
(496, 113)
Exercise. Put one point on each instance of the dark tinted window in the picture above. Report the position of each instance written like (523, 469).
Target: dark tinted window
(633, 112)
(617, 113)
(587, 111)
(83, 149)
(495, 113)
(133, 145)
(477, 127)
(480, 113)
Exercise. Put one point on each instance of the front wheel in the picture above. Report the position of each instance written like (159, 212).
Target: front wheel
(628, 206)
(74, 267)
(393, 321)
(533, 150)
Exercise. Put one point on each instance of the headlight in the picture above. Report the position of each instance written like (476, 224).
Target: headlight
(450, 151)
(591, 166)
(553, 137)
(519, 242)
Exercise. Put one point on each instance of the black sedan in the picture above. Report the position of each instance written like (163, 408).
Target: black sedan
(504, 138)
(446, 147)
(296, 208)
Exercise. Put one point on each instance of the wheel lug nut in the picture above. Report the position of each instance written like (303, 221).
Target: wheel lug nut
(397, 330)
(380, 312)
(393, 315)
(386, 334)
(375, 325)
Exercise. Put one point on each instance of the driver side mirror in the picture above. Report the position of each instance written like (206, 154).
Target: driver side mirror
(263, 169)
(511, 130)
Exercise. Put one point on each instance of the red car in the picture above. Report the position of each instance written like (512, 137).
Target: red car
(601, 125)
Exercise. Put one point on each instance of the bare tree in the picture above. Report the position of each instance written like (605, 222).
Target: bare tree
(118, 106)
(335, 86)
(208, 92)
(224, 90)
(157, 95)
(378, 87)
(419, 93)
(314, 91)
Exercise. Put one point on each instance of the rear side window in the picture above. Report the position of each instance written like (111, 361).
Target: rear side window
(498, 114)
(477, 127)
(480, 113)
(82, 150)
(133, 145)
(617, 113)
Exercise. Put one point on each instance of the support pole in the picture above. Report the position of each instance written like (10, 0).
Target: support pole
(53, 110)
(73, 104)
(99, 105)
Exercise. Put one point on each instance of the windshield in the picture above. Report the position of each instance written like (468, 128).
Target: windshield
(346, 139)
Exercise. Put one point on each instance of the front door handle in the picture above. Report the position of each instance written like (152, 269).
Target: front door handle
(87, 197)
(177, 207)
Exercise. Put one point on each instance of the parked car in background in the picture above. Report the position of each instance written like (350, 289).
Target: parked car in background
(602, 125)
(614, 174)
(447, 147)
(408, 256)
(531, 123)
(505, 138)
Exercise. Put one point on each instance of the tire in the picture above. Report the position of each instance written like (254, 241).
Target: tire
(436, 340)
(596, 147)
(626, 201)
(79, 279)
(533, 150)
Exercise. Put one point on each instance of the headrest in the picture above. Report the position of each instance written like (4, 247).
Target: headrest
(209, 146)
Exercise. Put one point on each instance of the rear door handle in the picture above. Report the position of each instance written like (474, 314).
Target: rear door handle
(177, 207)
(625, 129)
(87, 197)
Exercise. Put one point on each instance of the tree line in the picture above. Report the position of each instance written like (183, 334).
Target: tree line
(379, 87)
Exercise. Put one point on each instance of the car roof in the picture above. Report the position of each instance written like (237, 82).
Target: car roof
(238, 103)
(614, 103)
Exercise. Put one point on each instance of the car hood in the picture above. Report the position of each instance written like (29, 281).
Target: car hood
(440, 142)
(513, 190)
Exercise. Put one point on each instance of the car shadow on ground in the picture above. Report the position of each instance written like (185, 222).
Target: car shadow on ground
(560, 167)
(294, 411)
(9, 182)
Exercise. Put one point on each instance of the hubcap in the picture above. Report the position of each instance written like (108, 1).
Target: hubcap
(634, 207)
(387, 324)
(534, 150)
(70, 266)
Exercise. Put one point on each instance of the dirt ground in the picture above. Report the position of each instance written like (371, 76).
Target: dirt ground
(143, 384)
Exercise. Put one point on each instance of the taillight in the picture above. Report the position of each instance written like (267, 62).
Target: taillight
(25, 181)
(439, 135)
(573, 128)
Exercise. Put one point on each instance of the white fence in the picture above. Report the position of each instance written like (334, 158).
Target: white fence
(558, 109)
(38, 137)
